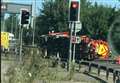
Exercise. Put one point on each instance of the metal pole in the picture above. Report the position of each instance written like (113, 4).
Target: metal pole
(3, 27)
(20, 53)
(19, 34)
(16, 26)
(70, 47)
(18, 44)
(12, 24)
(34, 21)
(74, 43)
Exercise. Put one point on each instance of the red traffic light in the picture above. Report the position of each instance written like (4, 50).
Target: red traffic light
(74, 4)
(74, 11)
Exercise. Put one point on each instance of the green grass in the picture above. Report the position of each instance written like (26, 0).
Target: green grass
(34, 67)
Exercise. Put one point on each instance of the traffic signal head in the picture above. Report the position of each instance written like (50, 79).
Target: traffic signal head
(74, 11)
(25, 17)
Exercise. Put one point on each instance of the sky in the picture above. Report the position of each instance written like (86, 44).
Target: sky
(111, 3)
(38, 3)
(104, 2)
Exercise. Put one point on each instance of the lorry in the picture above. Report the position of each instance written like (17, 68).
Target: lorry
(8, 41)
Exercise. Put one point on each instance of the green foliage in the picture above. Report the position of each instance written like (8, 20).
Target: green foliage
(115, 34)
(96, 19)
(11, 24)
(53, 16)
(33, 68)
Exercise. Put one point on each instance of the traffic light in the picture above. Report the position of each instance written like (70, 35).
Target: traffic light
(25, 17)
(74, 11)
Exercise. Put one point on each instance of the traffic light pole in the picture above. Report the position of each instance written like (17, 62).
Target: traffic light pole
(20, 53)
(70, 46)
(34, 21)
(73, 60)
(74, 14)
(24, 20)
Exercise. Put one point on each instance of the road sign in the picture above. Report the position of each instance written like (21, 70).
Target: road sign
(102, 49)
(76, 40)
(78, 26)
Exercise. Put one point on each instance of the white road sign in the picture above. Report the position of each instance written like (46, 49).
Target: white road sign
(78, 26)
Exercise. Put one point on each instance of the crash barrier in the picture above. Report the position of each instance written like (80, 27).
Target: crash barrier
(108, 67)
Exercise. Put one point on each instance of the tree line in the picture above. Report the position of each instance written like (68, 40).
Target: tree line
(96, 20)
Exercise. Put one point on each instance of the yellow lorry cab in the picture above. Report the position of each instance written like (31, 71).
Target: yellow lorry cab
(8, 41)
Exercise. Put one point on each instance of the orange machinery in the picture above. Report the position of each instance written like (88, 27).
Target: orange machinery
(97, 48)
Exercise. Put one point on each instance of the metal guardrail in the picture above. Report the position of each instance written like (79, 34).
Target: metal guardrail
(106, 65)
(109, 68)
(106, 61)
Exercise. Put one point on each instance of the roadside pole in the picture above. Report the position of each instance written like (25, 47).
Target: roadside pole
(23, 20)
(74, 17)
(3, 25)
(12, 25)
(20, 53)
(74, 45)
(3, 8)
(70, 47)
(34, 21)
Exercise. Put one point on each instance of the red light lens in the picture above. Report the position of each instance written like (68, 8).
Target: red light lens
(74, 5)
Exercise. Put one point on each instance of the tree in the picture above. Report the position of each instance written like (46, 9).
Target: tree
(53, 16)
(96, 19)
(115, 34)
(12, 24)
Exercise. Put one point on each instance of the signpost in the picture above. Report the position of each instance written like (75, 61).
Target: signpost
(23, 20)
(78, 26)
(75, 40)
(74, 18)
